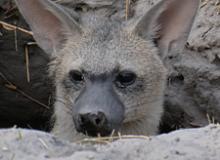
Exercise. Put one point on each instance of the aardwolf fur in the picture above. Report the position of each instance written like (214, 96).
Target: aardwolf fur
(109, 75)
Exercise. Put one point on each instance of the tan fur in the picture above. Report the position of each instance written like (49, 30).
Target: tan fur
(98, 44)
(143, 109)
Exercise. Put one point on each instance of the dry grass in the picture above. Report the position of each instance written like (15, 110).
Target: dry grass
(216, 3)
(26, 48)
(14, 28)
(107, 140)
(211, 119)
(127, 9)
(11, 27)
(9, 85)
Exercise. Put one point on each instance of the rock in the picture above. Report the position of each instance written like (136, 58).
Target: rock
(196, 144)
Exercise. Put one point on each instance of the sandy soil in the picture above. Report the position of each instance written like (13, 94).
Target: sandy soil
(188, 144)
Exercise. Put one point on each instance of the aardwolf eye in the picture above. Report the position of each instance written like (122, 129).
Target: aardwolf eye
(125, 78)
(76, 76)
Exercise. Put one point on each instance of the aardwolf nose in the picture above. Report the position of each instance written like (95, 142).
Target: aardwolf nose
(93, 124)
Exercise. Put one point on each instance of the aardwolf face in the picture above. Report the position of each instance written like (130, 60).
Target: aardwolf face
(109, 75)
(109, 78)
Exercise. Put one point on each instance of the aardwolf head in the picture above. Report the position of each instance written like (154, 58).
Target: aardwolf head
(109, 75)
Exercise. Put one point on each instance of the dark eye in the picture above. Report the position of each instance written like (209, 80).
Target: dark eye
(76, 76)
(125, 78)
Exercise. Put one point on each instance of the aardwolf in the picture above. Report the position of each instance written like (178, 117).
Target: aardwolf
(109, 75)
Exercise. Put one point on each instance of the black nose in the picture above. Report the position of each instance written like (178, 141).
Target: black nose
(93, 124)
(97, 120)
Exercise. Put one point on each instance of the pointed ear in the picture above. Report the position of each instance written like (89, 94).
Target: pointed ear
(49, 22)
(168, 24)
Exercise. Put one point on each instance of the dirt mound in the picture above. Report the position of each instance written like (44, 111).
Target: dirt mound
(193, 85)
(196, 144)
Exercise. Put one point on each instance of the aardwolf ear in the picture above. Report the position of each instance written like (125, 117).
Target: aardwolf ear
(168, 23)
(49, 22)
